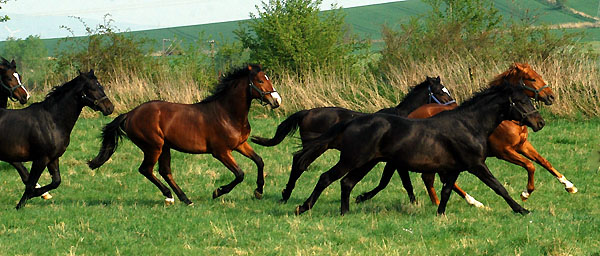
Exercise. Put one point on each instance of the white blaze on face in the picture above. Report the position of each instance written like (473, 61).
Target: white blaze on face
(16, 75)
(446, 91)
(276, 96)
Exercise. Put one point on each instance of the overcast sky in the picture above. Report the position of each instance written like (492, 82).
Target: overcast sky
(44, 17)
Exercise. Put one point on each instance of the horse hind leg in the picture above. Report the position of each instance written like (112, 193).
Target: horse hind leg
(164, 168)
(25, 176)
(291, 184)
(350, 180)
(146, 169)
(529, 151)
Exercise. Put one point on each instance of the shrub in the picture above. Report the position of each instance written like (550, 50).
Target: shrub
(31, 57)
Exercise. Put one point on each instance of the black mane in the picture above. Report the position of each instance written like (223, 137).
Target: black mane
(491, 91)
(59, 91)
(229, 80)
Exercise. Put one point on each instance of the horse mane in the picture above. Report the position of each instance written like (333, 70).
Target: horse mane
(414, 89)
(229, 80)
(512, 70)
(491, 91)
(59, 91)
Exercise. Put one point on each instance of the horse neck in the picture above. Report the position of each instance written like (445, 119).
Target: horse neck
(483, 116)
(65, 111)
(411, 102)
(237, 101)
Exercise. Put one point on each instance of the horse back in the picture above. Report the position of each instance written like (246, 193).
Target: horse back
(429, 110)
(318, 120)
(190, 128)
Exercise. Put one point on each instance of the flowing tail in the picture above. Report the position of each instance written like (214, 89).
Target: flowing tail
(111, 133)
(286, 128)
(316, 147)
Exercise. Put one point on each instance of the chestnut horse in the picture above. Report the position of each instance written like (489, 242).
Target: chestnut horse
(12, 88)
(448, 143)
(316, 121)
(217, 125)
(507, 142)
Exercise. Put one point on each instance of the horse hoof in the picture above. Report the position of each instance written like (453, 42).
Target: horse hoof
(47, 196)
(216, 193)
(169, 201)
(190, 204)
(524, 211)
(525, 195)
(572, 190)
(257, 194)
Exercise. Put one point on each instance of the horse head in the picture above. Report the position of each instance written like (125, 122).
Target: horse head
(93, 94)
(438, 93)
(521, 109)
(10, 81)
(524, 76)
(262, 88)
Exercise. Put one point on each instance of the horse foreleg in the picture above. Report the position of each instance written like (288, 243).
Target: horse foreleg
(529, 151)
(388, 172)
(164, 168)
(37, 168)
(227, 159)
(350, 180)
(483, 173)
(53, 169)
(24, 174)
(246, 150)
(512, 156)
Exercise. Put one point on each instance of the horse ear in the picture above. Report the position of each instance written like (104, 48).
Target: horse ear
(249, 67)
(13, 63)
(91, 72)
(438, 79)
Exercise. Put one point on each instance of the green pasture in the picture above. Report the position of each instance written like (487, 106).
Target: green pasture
(116, 211)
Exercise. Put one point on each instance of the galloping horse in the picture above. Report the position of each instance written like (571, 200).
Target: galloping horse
(449, 143)
(12, 88)
(316, 121)
(217, 125)
(41, 132)
(507, 142)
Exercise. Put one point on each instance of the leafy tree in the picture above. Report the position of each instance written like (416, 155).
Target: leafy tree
(295, 35)
(31, 57)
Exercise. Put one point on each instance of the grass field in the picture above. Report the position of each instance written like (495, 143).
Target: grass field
(116, 211)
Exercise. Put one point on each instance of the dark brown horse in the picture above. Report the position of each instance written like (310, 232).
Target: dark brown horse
(41, 132)
(507, 142)
(217, 125)
(12, 88)
(448, 143)
(316, 121)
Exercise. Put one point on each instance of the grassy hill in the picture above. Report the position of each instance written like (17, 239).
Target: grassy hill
(368, 20)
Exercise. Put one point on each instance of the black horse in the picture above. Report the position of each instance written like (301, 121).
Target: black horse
(448, 143)
(12, 88)
(41, 132)
(316, 121)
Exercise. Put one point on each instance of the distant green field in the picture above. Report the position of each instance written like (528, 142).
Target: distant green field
(366, 21)
(589, 7)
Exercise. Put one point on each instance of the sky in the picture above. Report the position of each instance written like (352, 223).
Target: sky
(45, 17)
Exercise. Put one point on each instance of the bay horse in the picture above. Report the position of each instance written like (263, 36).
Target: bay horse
(217, 125)
(316, 121)
(448, 143)
(12, 88)
(41, 132)
(507, 142)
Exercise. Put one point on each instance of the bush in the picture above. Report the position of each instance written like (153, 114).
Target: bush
(32, 59)
(294, 35)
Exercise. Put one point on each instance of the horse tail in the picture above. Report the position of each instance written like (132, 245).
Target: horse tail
(111, 133)
(317, 146)
(286, 128)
